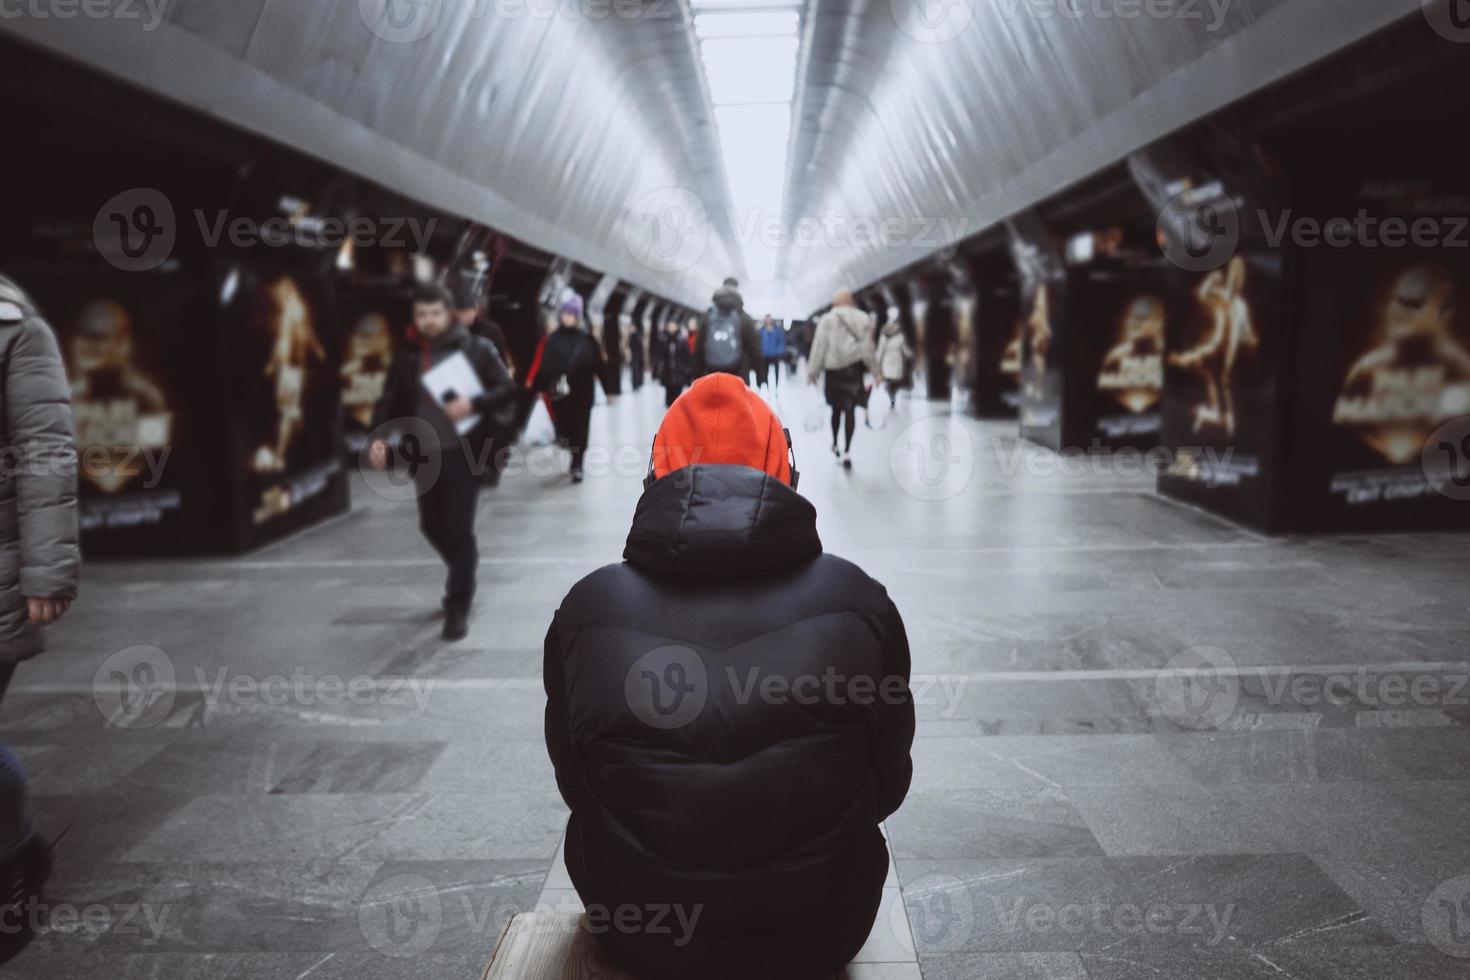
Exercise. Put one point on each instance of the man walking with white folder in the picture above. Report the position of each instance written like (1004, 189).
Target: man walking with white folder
(457, 388)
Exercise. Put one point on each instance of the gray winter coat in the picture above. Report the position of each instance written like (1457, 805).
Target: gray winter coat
(39, 551)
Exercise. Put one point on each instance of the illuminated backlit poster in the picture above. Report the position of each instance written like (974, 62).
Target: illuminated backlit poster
(1403, 372)
(287, 377)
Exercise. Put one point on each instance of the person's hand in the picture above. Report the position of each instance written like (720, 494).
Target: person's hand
(44, 612)
(459, 409)
(378, 454)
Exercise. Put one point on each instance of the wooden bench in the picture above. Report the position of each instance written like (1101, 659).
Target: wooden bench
(549, 946)
(552, 946)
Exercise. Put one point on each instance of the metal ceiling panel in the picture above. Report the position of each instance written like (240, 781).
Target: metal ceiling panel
(551, 122)
(557, 124)
(990, 106)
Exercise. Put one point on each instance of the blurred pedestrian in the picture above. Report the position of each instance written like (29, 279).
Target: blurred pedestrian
(773, 352)
(39, 537)
(727, 341)
(841, 349)
(446, 470)
(40, 547)
(675, 361)
(569, 366)
(635, 355)
(893, 358)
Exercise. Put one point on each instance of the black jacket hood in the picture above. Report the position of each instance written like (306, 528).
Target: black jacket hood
(721, 522)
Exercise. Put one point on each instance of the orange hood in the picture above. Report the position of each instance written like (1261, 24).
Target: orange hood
(721, 422)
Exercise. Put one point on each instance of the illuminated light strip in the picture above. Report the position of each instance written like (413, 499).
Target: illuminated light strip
(750, 52)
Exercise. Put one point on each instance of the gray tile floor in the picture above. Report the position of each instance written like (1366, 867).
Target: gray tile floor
(318, 787)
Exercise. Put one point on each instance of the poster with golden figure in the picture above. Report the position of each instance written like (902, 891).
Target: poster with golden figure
(1220, 394)
(1220, 385)
(286, 372)
(373, 321)
(114, 342)
(1042, 359)
(995, 365)
(1402, 372)
(1130, 377)
(1227, 330)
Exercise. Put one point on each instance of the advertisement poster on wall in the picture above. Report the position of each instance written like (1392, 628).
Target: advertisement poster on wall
(1224, 351)
(285, 382)
(1396, 334)
(996, 344)
(1119, 327)
(1043, 322)
(373, 321)
(119, 338)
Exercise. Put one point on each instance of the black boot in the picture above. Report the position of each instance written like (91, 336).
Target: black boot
(456, 620)
(21, 880)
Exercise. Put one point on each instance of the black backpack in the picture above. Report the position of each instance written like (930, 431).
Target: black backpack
(722, 345)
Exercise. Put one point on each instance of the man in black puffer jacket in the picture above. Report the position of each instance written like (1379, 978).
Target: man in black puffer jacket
(729, 717)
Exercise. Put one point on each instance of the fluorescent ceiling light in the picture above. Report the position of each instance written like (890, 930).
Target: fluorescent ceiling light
(760, 23)
(751, 69)
(749, 49)
(705, 5)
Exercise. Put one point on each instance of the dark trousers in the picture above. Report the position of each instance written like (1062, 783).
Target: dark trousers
(447, 507)
(671, 395)
(573, 415)
(6, 672)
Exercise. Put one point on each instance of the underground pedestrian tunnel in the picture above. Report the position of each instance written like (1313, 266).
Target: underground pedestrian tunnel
(1162, 453)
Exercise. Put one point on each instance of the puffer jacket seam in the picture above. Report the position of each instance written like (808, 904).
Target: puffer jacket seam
(861, 614)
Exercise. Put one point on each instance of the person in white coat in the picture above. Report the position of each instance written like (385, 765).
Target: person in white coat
(893, 357)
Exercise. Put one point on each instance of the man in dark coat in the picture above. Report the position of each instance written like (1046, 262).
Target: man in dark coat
(448, 464)
(727, 339)
(729, 716)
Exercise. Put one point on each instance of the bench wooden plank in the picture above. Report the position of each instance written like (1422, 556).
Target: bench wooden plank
(548, 946)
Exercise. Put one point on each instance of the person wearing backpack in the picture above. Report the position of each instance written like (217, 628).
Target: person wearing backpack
(727, 341)
(568, 367)
(448, 493)
(729, 714)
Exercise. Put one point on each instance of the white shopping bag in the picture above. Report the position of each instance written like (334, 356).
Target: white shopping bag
(879, 407)
(540, 431)
(816, 416)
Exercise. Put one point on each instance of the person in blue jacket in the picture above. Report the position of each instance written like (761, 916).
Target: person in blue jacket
(773, 352)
